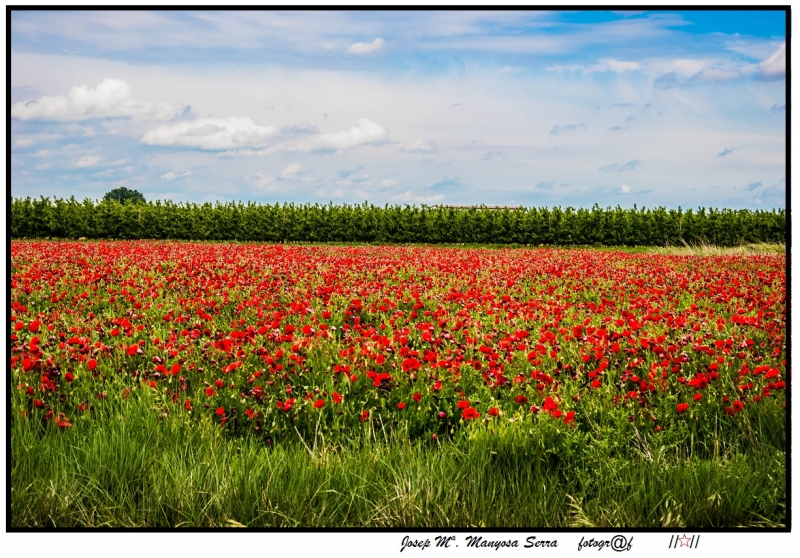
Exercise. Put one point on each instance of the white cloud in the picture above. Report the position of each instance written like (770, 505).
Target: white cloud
(171, 175)
(110, 99)
(387, 183)
(366, 48)
(87, 161)
(211, 134)
(338, 193)
(774, 67)
(366, 133)
(419, 146)
(23, 142)
(263, 182)
(625, 189)
(290, 171)
(408, 197)
(718, 74)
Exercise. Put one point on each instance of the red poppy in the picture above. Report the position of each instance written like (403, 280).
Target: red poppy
(68, 377)
(401, 405)
(287, 406)
(220, 411)
(469, 413)
(133, 349)
(417, 397)
(210, 391)
(697, 396)
(219, 383)
(463, 404)
(337, 398)
(521, 399)
(187, 405)
(682, 407)
(319, 403)
(91, 364)
(494, 411)
(363, 416)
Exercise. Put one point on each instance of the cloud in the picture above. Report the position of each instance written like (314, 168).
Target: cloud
(774, 67)
(23, 142)
(725, 152)
(408, 197)
(263, 182)
(300, 129)
(366, 133)
(616, 167)
(667, 81)
(289, 172)
(716, 74)
(625, 189)
(561, 129)
(344, 173)
(775, 108)
(753, 186)
(445, 184)
(110, 99)
(387, 183)
(419, 146)
(211, 134)
(366, 48)
(491, 155)
(618, 128)
(171, 175)
(545, 185)
(87, 161)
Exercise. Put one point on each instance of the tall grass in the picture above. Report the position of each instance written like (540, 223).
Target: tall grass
(133, 469)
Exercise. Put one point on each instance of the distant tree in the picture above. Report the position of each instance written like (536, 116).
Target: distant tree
(123, 195)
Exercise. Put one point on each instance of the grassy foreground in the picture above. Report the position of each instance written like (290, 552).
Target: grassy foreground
(136, 470)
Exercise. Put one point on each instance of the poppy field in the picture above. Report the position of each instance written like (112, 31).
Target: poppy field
(161, 383)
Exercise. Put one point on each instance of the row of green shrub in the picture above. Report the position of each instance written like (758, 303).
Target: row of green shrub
(59, 218)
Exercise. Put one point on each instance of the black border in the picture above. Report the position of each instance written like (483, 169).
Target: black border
(787, 11)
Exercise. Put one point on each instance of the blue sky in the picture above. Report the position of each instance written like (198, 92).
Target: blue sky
(535, 108)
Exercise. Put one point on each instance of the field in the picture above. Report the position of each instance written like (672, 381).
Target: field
(164, 383)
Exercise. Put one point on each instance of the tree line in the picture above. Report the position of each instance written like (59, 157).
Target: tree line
(290, 222)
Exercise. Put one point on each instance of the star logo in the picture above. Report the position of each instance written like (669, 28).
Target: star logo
(684, 540)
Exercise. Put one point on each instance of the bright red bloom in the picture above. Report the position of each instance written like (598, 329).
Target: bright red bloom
(401, 405)
(337, 398)
(287, 406)
(363, 416)
(682, 407)
(521, 399)
(68, 377)
(494, 411)
(417, 397)
(697, 396)
(463, 404)
(319, 403)
(210, 391)
(187, 405)
(133, 349)
(220, 411)
(469, 413)
(219, 383)
(91, 364)
(569, 417)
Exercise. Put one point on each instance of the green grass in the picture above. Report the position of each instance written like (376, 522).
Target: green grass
(129, 468)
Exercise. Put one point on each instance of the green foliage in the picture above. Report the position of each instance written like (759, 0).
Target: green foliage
(289, 222)
(123, 195)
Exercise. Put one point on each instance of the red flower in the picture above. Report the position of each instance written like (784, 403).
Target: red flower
(494, 411)
(288, 405)
(337, 398)
(38, 403)
(697, 396)
(133, 349)
(210, 391)
(682, 407)
(92, 364)
(363, 416)
(463, 404)
(219, 383)
(521, 399)
(469, 413)
(319, 403)
(33, 327)
(569, 417)
(596, 383)
(737, 406)
(220, 411)
(175, 369)
(401, 405)
(68, 377)
(187, 405)
(417, 397)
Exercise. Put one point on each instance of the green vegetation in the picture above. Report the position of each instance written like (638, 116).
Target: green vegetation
(58, 218)
(131, 467)
(123, 195)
